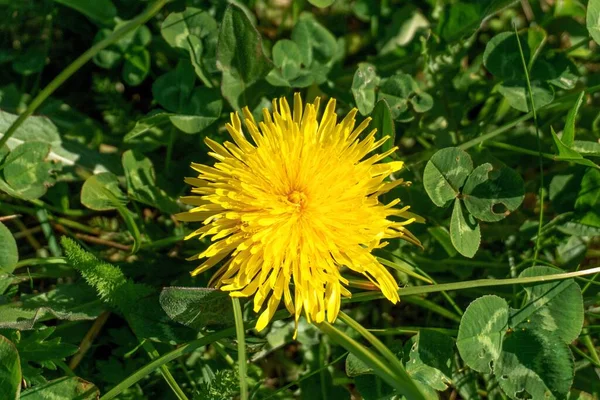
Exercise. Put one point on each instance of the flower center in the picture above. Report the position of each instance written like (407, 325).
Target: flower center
(297, 198)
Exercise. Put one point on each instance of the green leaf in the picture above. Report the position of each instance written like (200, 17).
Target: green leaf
(65, 388)
(502, 57)
(567, 154)
(356, 367)
(30, 62)
(568, 135)
(318, 47)
(202, 109)
(593, 19)
(442, 236)
(94, 196)
(137, 66)
(10, 370)
(481, 331)
(100, 11)
(464, 231)
(431, 357)
(491, 194)
(36, 348)
(321, 3)
(364, 83)
(587, 148)
(173, 89)
(141, 183)
(383, 122)
(177, 28)
(9, 254)
(445, 174)
(589, 193)
(240, 56)
(517, 95)
(462, 18)
(554, 307)
(152, 126)
(41, 129)
(400, 90)
(535, 363)
(27, 170)
(286, 57)
(197, 307)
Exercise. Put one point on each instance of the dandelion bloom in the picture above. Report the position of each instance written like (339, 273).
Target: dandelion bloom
(294, 205)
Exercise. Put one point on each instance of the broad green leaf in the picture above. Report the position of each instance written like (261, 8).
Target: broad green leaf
(151, 125)
(593, 19)
(481, 331)
(517, 94)
(431, 357)
(445, 174)
(567, 154)
(587, 148)
(37, 348)
(202, 109)
(31, 61)
(65, 388)
(177, 28)
(68, 153)
(93, 192)
(321, 3)
(502, 57)
(72, 302)
(462, 18)
(554, 307)
(10, 370)
(137, 66)
(240, 56)
(364, 83)
(568, 136)
(110, 56)
(383, 122)
(141, 182)
(397, 91)
(491, 194)
(9, 254)
(100, 11)
(197, 307)
(27, 170)
(535, 363)
(173, 89)
(464, 231)
(536, 39)
(318, 47)
(589, 193)
(355, 367)
(286, 57)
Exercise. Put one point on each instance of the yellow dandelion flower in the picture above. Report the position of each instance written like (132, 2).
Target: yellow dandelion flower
(293, 206)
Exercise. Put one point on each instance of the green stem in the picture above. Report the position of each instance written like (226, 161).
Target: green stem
(78, 63)
(385, 352)
(28, 262)
(241, 339)
(518, 149)
(418, 301)
(164, 370)
(539, 145)
(411, 291)
(165, 358)
(382, 369)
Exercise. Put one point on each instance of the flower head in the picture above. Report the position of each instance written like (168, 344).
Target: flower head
(293, 205)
